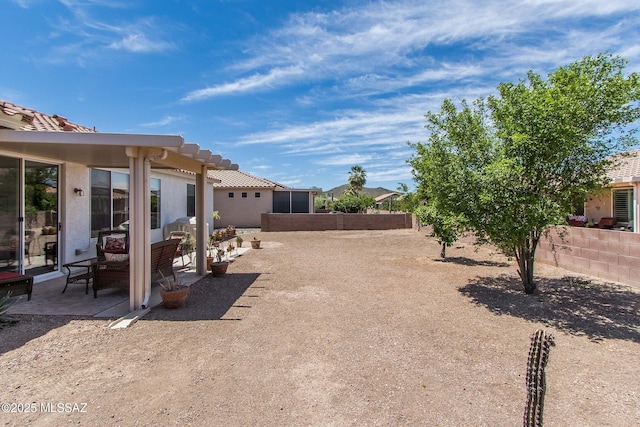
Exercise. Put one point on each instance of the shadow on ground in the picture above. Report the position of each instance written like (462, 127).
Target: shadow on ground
(472, 262)
(210, 298)
(571, 304)
(30, 327)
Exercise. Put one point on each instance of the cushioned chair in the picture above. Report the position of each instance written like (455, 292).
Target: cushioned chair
(114, 273)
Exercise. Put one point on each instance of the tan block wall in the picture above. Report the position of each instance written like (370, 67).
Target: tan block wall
(239, 211)
(608, 254)
(340, 221)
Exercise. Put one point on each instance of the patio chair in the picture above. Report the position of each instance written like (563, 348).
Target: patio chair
(182, 236)
(112, 242)
(51, 253)
(607, 223)
(114, 273)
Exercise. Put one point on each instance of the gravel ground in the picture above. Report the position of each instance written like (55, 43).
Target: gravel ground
(347, 328)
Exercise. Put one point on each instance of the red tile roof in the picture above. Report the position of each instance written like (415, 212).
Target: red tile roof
(628, 170)
(20, 118)
(239, 179)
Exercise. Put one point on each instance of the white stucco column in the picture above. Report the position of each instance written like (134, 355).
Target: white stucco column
(139, 234)
(202, 231)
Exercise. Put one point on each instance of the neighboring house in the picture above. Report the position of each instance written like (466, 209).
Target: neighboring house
(620, 200)
(390, 197)
(61, 183)
(241, 198)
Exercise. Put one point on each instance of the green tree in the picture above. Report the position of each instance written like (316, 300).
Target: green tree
(516, 163)
(408, 201)
(357, 179)
(353, 204)
(446, 228)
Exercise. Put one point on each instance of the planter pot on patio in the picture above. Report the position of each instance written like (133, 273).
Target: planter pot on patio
(219, 268)
(255, 244)
(174, 299)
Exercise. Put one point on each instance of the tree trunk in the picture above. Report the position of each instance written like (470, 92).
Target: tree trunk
(443, 250)
(525, 255)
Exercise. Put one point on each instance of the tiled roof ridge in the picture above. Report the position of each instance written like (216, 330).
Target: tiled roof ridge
(241, 179)
(29, 119)
(275, 184)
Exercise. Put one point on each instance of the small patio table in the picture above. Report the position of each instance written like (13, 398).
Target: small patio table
(81, 271)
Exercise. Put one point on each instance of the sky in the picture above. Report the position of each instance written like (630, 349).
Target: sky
(296, 91)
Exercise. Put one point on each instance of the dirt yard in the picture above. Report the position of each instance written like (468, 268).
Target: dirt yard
(363, 328)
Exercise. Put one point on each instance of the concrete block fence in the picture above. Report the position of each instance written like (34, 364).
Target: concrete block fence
(608, 254)
(338, 221)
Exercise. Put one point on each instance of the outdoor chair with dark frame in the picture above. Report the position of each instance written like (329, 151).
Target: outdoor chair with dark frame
(115, 274)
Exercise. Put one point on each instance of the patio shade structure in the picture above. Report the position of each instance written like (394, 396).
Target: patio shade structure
(139, 153)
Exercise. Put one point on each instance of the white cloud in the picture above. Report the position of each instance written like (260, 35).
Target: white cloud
(344, 160)
(139, 43)
(166, 120)
(256, 82)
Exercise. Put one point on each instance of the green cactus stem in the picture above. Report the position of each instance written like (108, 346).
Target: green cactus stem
(536, 384)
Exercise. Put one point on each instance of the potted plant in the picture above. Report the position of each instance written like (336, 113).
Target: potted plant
(255, 243)
(173, 292)
(219, 267)
(239, 241)
(212, 246)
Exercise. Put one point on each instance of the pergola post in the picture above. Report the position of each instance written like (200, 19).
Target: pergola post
(202, 232)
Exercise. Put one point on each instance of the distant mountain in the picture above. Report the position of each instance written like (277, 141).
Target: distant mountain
(373, 192)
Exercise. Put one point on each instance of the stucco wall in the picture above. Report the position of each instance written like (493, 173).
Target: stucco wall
(339, 221)
(76, 217)
(599, 206)
(239, 211)
(608, 254)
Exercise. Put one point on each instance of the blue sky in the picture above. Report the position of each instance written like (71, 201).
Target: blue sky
(293, 91)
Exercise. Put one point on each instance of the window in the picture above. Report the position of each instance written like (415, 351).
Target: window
(244, 194)
(191, 200)
(257, 195)
(623, 205)
(299, 202)
(155, 203)
(281, 202)
(109, 200)
(231, 194)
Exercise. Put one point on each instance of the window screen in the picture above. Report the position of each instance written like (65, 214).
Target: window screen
(623, 205)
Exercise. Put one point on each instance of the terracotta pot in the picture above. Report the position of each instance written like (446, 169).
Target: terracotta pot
(255, 244)
(209, 261)
(174, 299)
(219, 268)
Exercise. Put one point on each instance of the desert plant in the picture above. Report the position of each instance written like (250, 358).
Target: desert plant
(239, 240)
(170, 283)
(6, 320)
(536, 382)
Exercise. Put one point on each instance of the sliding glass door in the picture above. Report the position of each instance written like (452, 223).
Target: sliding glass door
(28, 216)
(10, 214)
(41, 217)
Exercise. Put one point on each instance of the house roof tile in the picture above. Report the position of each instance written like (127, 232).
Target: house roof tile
(382, 197)
(20, 118)
(239, 179)
(628, 170)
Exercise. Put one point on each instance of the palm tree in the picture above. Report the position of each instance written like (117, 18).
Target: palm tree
(357, 178)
